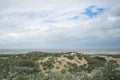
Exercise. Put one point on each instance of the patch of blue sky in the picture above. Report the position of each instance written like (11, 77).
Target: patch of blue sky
(93, 11)
(75, 17)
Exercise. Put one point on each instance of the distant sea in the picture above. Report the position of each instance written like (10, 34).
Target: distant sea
(84, 51)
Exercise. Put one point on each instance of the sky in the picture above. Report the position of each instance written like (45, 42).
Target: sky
(64, 24)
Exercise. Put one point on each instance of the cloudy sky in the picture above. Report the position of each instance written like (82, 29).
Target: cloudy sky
(59, 23)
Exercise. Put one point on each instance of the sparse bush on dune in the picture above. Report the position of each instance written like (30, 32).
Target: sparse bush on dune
(70, 57)
(47, 65)
(79, 56)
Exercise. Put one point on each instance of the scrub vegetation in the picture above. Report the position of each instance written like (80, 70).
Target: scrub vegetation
(59, 66)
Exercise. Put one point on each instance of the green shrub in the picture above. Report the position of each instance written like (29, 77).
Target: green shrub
(25, 63)
(47, 65)
(70, 57)
(94, 62)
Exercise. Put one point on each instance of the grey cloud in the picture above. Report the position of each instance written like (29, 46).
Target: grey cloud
(28, 26)
(116, 11)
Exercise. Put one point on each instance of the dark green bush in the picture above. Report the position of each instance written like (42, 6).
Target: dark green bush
(70, 57)
(47, 65)
(25, 63)
(94, 62)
